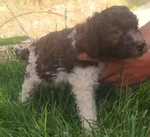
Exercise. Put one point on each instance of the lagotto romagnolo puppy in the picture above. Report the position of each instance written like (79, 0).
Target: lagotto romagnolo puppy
(108, 35)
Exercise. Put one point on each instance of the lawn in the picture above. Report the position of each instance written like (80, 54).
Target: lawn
(12, 40)
(52, 112)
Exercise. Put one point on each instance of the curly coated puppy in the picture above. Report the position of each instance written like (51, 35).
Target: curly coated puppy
(108, 35)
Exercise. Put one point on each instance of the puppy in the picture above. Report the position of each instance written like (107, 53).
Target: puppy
(108, 35)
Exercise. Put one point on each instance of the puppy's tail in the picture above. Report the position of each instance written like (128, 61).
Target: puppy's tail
(22, 53)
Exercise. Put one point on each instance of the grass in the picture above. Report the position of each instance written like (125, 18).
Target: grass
(52, 112)
(12, 40)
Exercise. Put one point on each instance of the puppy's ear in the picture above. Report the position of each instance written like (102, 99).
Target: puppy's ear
(94, 41)
(93, 45)
(87, 40)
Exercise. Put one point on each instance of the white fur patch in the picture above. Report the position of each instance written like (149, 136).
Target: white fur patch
(31, 67)
(48, 73)
(32, 81)
(61, 76)
(83, 81)
(71, 36)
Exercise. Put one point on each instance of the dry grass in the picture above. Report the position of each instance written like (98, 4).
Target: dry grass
(43, 16)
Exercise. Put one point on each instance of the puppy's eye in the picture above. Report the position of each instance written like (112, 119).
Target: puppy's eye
(117, 32)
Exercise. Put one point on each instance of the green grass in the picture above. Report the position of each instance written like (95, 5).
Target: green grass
(12, 40)
(52, 112)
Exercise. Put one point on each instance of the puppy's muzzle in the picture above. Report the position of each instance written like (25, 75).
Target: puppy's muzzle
(142, 47)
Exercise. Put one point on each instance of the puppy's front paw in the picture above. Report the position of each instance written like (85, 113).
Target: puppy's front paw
(89, 125)
(24, 97)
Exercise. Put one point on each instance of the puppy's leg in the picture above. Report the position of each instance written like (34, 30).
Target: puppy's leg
(83, 81)
(31, 78)
(29, 87)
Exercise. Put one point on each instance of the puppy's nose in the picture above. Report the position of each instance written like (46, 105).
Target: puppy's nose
(141, 46)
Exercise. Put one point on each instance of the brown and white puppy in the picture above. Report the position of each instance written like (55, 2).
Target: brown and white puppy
(108, 35)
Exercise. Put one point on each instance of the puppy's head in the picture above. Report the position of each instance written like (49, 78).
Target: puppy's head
(118, 37)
